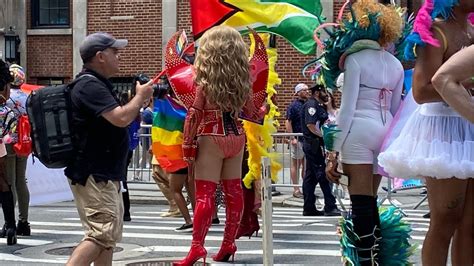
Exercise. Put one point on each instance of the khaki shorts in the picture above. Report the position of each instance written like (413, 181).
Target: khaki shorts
(296, 151)
(100, 209)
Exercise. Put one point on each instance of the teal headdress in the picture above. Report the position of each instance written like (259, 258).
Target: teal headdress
(350, 36)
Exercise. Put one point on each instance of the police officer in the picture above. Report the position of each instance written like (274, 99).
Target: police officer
(313, 116)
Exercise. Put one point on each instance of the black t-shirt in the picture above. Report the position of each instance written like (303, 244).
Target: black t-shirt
(101, 147)
(312, 112)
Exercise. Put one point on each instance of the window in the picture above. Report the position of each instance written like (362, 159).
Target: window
(50, 13)
(122, 88)
(48, 81)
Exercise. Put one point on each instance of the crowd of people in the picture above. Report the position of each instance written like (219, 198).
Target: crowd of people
(436, 143)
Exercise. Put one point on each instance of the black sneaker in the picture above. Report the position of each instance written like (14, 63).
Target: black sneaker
(127, 218)
(184, 228)
(427, 215)
(333, 212)
(216, 221)
(23, 228)
(313, 213)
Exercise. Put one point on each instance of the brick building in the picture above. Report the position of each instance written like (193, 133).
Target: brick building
(46, 36)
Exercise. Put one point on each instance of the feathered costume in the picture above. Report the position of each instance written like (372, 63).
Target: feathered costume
(215, 127)
(435, 141)
(386, 242)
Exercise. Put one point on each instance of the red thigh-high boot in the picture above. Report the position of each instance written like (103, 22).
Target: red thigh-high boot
(233, 211)
(249, 223)
(205, 194)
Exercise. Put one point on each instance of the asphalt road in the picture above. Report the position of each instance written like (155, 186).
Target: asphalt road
(148, 237)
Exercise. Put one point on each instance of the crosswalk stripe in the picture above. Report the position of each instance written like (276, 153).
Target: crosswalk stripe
(15, 258)
(300, 252)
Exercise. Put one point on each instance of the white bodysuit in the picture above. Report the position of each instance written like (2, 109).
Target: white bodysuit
(371, 95)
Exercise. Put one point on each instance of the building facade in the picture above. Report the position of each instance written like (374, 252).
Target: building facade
(44, 37)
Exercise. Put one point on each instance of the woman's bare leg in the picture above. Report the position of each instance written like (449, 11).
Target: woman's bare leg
(176, 184)
(462, 248)
(446, 200)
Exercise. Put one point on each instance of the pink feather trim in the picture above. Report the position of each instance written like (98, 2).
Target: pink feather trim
(423, 23)
(471, 18)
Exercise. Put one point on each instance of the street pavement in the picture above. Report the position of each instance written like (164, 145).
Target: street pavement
(150, 238)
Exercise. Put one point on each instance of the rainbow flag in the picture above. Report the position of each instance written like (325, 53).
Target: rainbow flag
(167, 134)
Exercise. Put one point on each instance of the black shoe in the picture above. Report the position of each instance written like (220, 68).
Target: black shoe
(333, 212)
(386, 189)
(313, 213)
(184, 228)
(23, 228)
(424, 192)
(127, 218)
(3, 232)
(216, 221)
(11, 236)
(427, 216)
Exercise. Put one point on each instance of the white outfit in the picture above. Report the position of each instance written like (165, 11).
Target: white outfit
(435, 141)
(371, 95)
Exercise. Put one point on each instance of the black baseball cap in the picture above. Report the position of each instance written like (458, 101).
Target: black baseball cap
(99, 41)
(317, 87)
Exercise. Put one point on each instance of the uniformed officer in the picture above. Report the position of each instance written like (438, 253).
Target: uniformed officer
(313, 116)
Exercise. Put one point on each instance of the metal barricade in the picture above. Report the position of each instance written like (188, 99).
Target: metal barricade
(140, 168)
(283, 147)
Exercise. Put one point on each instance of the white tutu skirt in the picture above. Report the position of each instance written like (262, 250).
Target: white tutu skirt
(434, 142)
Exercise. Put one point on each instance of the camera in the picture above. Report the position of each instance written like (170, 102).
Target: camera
(159, 90)
(125, 94)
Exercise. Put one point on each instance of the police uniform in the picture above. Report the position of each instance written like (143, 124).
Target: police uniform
(314, 112)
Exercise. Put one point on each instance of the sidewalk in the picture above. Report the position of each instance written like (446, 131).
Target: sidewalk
(149, 193)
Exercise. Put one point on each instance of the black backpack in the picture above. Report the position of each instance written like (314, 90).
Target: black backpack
(50, 113)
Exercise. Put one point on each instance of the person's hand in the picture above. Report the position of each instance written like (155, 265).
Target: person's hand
(331, 169)
(150, 151)
(145, 90)
(294, 141)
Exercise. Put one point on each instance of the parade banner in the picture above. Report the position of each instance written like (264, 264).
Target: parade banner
(46, 185)
(294, 20)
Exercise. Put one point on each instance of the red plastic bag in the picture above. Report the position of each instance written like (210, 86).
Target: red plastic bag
(23, 146)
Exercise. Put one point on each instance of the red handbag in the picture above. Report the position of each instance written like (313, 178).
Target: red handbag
(23, 146)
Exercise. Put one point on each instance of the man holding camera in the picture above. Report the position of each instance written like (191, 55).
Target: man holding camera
(100, 127)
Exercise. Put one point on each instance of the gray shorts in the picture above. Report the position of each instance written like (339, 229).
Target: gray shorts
(296, 151)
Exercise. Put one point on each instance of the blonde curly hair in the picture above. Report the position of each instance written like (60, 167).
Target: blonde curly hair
(222, 68)
(389, 19)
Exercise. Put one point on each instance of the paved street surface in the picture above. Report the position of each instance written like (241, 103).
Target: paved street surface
(297, 239)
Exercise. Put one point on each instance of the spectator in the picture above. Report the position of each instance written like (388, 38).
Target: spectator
(162, 180)
(313, 116)
(293, 125)
(16, 165)
(6, 193)
(100, 124)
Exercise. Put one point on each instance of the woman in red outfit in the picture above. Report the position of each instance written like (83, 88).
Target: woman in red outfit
(222, 77)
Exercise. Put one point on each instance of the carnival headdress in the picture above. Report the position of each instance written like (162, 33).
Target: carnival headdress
(368, 25)
(422, 34)
(180, 72)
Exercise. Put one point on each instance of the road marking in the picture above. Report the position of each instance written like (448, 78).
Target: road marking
(301, 252)
(11, 257)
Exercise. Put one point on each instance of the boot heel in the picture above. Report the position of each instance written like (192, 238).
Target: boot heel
(11, 236)
(233, 254)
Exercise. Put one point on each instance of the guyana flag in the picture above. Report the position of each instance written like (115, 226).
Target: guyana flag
(294, 20)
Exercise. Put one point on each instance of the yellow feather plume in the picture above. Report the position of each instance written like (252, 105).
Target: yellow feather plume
(259, 137)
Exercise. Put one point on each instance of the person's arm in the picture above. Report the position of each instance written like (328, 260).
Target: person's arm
(429, 59)
(122, 116)
(397, 95)
(350, 93)
(314, 128)
(191, 123)
(449, 78)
